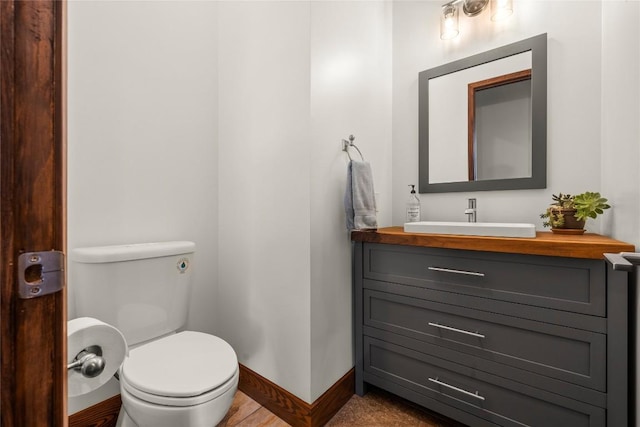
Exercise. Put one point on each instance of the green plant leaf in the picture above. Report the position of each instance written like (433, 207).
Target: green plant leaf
(588, 204)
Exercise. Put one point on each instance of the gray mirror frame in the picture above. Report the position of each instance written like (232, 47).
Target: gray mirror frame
(538, 47)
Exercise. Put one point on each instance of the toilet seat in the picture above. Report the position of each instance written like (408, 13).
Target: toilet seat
(184, 369)
(180, 401)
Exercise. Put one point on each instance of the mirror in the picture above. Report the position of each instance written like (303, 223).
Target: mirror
(482, 121)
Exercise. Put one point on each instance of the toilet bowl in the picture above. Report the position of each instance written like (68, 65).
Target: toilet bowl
(185, 379)
(170, 378)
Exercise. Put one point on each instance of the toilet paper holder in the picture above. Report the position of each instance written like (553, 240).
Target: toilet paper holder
(89, 362)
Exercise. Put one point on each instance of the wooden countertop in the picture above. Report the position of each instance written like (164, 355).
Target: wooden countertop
(588, 245)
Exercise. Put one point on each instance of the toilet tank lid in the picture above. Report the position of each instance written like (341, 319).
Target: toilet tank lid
(115, 253)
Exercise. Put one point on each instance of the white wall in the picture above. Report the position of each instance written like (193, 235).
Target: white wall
(350, 94)
(621, 126)
(264, 199)
(142, 139)
(295, 78)
(620, 109)
(573, 131)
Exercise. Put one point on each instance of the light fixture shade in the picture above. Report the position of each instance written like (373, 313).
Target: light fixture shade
(501, 9)
(449, 22)
(474, 7)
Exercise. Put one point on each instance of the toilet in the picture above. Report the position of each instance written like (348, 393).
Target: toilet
(170, 377)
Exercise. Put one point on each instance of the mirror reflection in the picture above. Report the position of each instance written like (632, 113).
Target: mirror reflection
(500, 127)
(477, 118)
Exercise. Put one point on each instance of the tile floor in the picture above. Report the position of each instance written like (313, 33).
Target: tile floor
(376, 409)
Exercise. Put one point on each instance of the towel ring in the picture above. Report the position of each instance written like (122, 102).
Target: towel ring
(346, 144)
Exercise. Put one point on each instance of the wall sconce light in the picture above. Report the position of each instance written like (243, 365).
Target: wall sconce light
(500, 9)
(449, 22)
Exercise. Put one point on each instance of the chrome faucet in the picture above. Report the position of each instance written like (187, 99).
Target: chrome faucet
(470, 212)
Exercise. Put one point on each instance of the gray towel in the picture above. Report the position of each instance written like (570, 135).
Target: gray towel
(359, 197)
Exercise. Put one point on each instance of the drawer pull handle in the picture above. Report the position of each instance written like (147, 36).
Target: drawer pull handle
(448, 270)
(462, 331)
(468, 393)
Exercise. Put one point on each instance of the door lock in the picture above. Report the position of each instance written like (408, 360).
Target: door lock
(40, 273)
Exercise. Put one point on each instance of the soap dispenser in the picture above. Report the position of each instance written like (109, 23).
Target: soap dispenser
(413, 206)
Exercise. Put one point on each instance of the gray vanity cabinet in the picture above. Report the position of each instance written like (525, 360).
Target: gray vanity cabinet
(491, 338)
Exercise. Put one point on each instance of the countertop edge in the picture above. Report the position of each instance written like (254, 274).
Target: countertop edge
(588, 245)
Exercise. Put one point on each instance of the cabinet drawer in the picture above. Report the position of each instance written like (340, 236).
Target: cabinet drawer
(567, 354)
(569, 284)
(495, 399)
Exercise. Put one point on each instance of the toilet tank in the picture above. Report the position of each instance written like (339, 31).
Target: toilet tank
(141, 289)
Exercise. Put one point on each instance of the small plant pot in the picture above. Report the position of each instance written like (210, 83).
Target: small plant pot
(571, 224)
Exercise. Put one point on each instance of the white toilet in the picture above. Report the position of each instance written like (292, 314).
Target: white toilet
(169, 378)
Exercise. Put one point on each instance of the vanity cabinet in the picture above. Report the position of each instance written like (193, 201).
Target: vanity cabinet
(493, 331)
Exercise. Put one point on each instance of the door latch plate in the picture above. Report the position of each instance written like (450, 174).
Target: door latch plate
(40, 273)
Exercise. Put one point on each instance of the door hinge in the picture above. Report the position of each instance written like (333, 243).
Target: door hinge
(40, 273)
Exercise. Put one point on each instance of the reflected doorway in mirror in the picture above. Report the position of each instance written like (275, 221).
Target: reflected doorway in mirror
(499, 127)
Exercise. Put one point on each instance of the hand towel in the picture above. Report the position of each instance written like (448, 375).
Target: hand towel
(359, 199)
(348, 199)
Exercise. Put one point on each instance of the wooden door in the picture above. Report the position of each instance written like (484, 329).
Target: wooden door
(32, 155)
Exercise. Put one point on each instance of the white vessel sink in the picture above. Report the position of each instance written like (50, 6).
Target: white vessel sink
(493, 229)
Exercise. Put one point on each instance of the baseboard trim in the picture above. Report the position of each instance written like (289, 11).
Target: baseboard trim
(291, 408)
(285, 405)
(327, 405)
(102, 414)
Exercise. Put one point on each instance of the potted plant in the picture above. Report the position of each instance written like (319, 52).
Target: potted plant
(568, 214)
